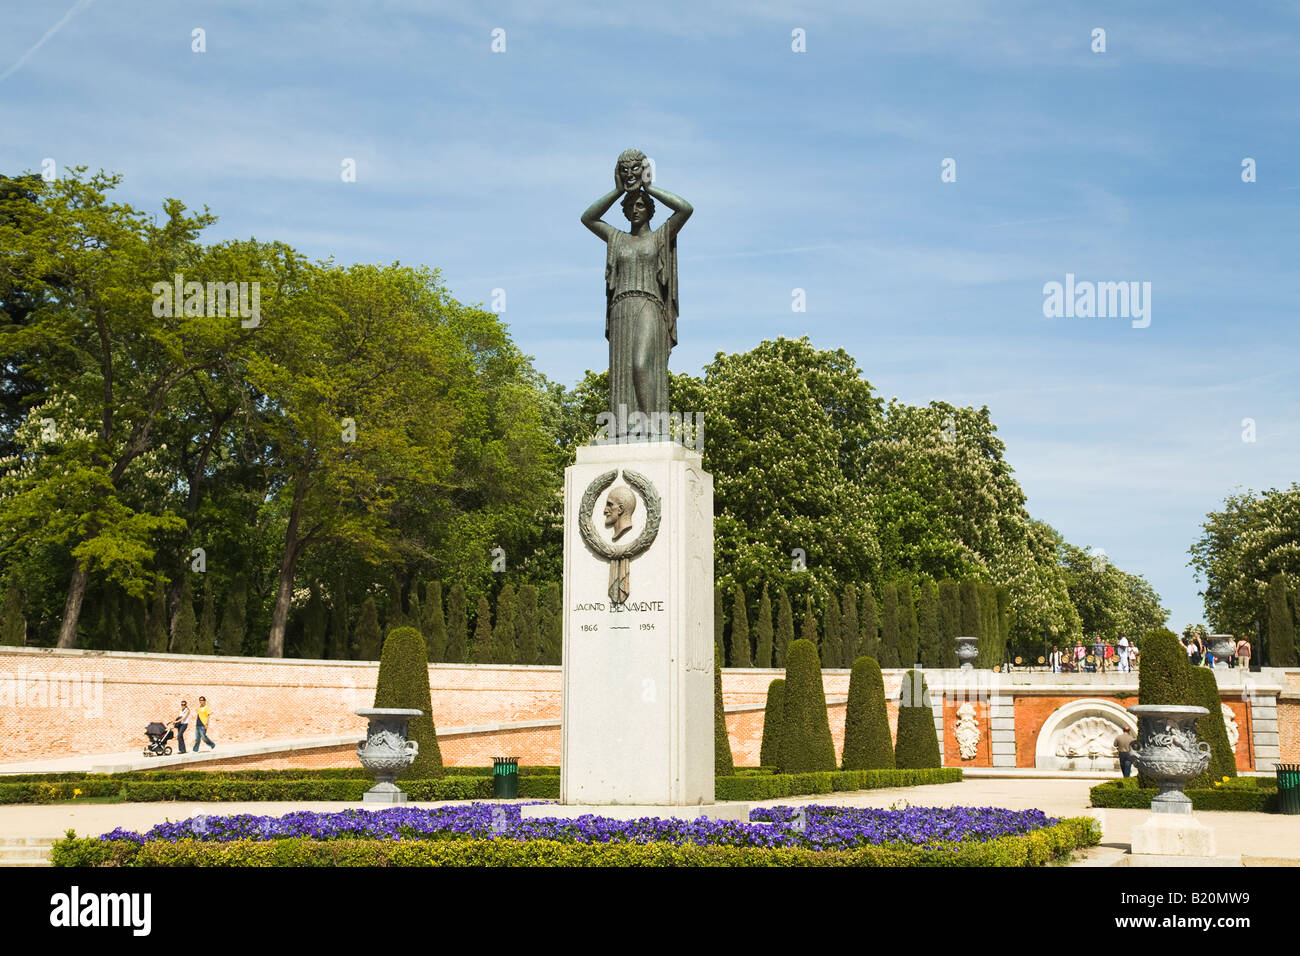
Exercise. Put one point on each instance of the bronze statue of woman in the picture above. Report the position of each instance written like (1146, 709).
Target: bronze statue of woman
(640, 293)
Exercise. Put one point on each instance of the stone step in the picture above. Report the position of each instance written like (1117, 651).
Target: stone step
(11, 854)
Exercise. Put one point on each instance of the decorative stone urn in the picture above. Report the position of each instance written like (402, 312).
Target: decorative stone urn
(1168, 750)
(967, 651)
(1222, 646)
(386, 752)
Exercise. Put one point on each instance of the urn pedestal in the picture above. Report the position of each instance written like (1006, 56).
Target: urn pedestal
(1168, 750)
(967, 651)
(386, 752)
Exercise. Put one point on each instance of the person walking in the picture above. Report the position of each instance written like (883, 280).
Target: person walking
(181, 723)
(1123, 747)
(1243, 653)
(1055, 659)
(201, 727)
(1122, 654)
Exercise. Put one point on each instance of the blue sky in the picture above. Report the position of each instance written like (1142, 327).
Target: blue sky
(816, 170)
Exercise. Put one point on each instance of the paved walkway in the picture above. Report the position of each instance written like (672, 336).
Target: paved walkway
(1264, 836)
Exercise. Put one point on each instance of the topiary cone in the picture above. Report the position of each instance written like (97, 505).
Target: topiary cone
(404, 682)
(867, 744)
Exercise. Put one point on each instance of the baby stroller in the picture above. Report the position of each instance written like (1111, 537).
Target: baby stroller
(158, 735)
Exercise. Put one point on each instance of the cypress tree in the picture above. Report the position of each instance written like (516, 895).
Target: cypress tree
(764, 632)
(13, 630)
(1212, 730)
(908, 630)
(970, 609)
(340, 641)
(806, 743)
(234, 618)
(723, 764)
(506, 625)
(135, 624)
(207, 619)
(106, 628)
(869, 625)
(404, 682)
(435, 623)
(481, 651)
(991, 653)
(850, 630)
(740, 656)
(917, 747)
(369, 637)
(457, 625)
(551, 621)
(394, 616)
(928, 625)
(831, 647)
(949, 622)
(527, 634)
(158, 618)
(414, 612)
(784, 627)
(889, 650)
(1280, 645)
(808, 627)
(719, 620)
(769, 754)
(1002, 598)
(315, 620)
(867, 743)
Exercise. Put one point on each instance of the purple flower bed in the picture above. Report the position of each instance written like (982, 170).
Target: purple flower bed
(825, 827)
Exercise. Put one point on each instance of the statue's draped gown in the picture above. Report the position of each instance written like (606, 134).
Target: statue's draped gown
(640, 320)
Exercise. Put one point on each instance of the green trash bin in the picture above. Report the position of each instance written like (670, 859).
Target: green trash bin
(505, 777)
(1288, 788)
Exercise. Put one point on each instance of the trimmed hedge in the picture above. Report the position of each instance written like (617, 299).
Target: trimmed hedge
(1211, 729)
(918, 743)
(293, 773)
(404, 682)
(775, 786)
(1127, 795)
(1047, 845)
(806, 743)
(867, 745)
(770, 751)
(723, 764)
(348, 789)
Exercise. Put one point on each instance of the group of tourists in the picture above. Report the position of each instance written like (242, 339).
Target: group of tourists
(1201, 653)
(201, 717)
(1102, 654)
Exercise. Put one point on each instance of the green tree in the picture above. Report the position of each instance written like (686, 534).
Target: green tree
(315, 621)
(551, 619)
(481, 651)
(184, 624)
(889, 630)
(831, 648)
(207, 619)
(850, 629)
(234, 617)
(394, 615)
(13, 628)
(158, 618)
(869, 624)
(808, 629)
(739, 630)
(770, 749)
(505, 626)
(527, 633)
(723, 765)
(404, 683)
(764, 632)
(784, 627)
(1279, 647)
(806, 743)
(917, 746)
(867, 742)
(908, 629)
(928, 625)
(368, 636)
(340, 634)
(435, 624)
(457, 625)
(971, 616)
(949, 621)
(719, 619)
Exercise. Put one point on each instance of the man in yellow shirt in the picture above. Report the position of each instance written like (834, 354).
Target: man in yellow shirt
(203, 717)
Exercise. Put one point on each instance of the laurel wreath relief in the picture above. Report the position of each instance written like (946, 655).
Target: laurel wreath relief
(608, 549)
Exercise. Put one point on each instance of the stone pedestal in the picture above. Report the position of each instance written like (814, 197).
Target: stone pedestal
(1173, 835)
(637, 721)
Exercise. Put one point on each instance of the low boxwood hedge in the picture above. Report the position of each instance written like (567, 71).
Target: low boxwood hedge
(775, 786)
(1241, 794)
(1048, 845)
